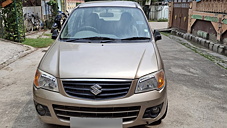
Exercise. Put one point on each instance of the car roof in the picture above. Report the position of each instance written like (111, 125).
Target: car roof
(110, 4)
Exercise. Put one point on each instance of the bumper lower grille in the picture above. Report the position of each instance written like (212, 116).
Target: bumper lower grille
(127, 113)
(106, 90)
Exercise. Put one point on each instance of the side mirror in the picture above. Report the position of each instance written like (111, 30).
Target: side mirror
(55, 34)
(157, 35)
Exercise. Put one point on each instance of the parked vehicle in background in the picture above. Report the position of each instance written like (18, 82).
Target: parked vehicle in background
(59, 20)
(104, 64)
(32, 22)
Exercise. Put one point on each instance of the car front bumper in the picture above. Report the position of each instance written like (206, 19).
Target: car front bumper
(143, 100)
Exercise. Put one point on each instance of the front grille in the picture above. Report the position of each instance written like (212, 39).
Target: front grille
(109, 89)
(127, 113)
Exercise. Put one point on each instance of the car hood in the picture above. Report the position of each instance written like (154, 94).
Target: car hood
(96, 60)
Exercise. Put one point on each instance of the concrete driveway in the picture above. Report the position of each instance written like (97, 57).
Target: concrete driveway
(197, 90)
(158, 25)
(11, 51)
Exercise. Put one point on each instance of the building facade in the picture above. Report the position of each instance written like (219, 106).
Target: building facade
(203, 18)
(71, 4)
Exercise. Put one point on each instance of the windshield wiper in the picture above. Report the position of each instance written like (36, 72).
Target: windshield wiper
(137, 38)
(103, 39)
(99, 38)
(75, 39)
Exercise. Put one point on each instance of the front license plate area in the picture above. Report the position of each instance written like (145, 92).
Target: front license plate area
(77, 122)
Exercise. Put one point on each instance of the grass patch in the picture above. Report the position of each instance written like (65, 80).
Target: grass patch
(46, 34)
(159, 20)
(39, 42)
(165, 33)
(163, 20)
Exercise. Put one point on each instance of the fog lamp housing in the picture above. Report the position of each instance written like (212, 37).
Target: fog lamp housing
(42, 110)
(153, 112)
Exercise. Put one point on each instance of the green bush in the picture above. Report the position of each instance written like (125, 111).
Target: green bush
(54, 11)
(163, 20)
(13, 21)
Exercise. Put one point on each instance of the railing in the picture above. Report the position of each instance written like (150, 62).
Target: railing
(213, 6)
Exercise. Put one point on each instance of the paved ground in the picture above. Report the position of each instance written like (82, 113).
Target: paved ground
(158, 25)
(197, 90)
(11, 51)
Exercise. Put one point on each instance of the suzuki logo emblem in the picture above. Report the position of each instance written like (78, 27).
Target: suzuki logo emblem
(96, 89)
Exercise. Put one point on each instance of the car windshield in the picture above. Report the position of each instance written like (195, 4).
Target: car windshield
(106, 23)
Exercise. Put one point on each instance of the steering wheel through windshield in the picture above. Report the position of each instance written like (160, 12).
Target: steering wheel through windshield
(90, 28)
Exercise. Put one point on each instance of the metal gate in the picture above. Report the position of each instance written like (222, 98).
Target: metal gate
(180, 14)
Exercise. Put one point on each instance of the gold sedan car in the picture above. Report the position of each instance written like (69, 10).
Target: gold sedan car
(104, 64)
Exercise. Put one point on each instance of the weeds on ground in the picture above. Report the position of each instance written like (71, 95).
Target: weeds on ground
(165, 33)
(159, 20)
(212, 58)
(163, 20)
(46, 34)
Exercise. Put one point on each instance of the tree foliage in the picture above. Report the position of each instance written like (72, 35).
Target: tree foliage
(13, 21)
(54, 12)
(54, 7)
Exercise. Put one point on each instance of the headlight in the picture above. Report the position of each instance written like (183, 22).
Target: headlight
(45, 81)
(154, 81)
